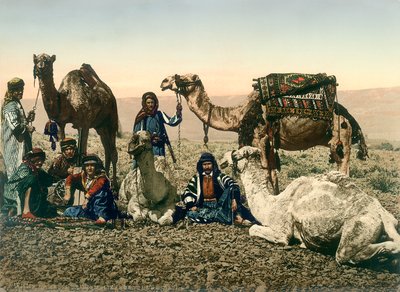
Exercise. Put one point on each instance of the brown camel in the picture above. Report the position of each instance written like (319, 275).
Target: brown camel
(295, 133)
(83, 100)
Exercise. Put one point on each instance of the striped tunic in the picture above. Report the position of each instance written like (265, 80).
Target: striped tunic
(15, 137)
(193, 194)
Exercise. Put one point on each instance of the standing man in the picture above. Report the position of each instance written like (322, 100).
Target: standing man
(152, 120)
(212, 196)
(15, 130)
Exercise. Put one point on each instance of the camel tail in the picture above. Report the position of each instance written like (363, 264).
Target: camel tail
(119, 131)
(357, 136)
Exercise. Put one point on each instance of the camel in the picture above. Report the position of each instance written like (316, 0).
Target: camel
(322, 212)
(83, 100)
(247, 119)
(148, 192)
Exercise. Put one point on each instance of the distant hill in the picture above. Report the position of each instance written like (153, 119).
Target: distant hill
(376, 110)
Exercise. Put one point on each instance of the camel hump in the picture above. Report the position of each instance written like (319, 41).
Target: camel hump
(89, 75)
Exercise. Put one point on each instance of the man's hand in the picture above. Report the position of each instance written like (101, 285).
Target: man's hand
(30, 128)
(234, 205)
(194, 208)
(84, 205)
(31, 116)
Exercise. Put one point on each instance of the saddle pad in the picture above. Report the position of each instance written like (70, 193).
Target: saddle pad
(305, 95)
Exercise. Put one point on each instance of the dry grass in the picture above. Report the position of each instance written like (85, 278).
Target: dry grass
(377, 176)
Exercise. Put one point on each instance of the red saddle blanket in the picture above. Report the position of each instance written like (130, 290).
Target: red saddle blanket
(305, 95)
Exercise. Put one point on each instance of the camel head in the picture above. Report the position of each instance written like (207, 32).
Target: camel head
(239, 159)
(43, 65)
(183, 84)
(139, 143)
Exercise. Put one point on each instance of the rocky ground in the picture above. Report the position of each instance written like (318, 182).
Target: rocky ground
(148, 257)
(144, 256)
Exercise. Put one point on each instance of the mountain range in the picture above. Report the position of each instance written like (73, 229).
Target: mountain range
(376, 110)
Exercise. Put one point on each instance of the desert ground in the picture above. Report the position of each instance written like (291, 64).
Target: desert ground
(146, 257)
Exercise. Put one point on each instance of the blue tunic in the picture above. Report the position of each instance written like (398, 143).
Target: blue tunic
(155, 126)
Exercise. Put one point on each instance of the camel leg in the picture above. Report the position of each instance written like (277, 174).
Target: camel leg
(280, 233)
(341, 137)
(62, 131)
(270, 174)
(110, 151)
(359, 237)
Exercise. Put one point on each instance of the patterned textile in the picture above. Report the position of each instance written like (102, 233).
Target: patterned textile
(306, 95)
(16, 139)
(220, 211)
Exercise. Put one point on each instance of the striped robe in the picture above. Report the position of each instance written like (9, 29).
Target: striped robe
(15, 137)
(193, 196)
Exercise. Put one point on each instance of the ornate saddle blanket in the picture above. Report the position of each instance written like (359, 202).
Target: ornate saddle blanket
(305, 95)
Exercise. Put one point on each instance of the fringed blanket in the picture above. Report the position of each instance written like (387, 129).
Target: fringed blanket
(57, 223)
(305, 95)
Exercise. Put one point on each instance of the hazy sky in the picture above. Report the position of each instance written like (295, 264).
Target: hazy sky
(134, 44)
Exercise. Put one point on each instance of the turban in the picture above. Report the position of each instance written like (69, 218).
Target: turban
(15, 84)
(67, 143)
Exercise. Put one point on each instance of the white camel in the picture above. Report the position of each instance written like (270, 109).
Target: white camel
(322, 212)
(147, 192)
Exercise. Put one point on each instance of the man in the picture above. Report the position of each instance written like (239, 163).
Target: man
(15, 130)
(26, 190)
(212, 196)
(152, 120)
(99, 202)
(63, 165)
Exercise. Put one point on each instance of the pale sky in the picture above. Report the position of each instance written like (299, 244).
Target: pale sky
(133, 45)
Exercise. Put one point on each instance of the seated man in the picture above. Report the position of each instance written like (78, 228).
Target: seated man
(26, 190)
(212, 196)
(99, 202)
(62, 166)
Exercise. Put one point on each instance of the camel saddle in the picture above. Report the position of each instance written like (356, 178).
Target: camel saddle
(89, 75)
(305, 95)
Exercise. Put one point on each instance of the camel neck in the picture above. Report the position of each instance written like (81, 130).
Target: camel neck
(220, 118)
(146, 163)
(49, 95)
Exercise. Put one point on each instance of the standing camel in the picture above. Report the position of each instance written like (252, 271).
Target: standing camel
(83, 100)
(295, 133)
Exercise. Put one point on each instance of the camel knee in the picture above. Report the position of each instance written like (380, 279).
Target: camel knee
(269, 234)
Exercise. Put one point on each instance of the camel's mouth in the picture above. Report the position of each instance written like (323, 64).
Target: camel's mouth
(137, 149)
(166, 87)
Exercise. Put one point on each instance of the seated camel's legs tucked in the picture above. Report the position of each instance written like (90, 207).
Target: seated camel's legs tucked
(359, 237)
(275, 233)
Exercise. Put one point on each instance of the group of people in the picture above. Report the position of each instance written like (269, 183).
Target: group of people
(210, 195)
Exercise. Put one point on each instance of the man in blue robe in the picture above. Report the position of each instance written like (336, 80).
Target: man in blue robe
(153, 120)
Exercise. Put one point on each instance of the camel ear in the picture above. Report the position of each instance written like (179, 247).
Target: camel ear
(53, 58)
(34, 59)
